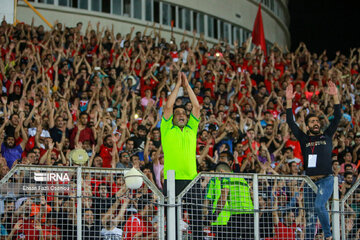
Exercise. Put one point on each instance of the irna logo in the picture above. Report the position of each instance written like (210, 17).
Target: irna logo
(47, 177)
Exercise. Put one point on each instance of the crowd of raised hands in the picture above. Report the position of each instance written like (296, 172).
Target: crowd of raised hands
(87, 87)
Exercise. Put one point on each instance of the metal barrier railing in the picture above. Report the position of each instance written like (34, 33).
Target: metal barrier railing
(350, 209)
(250, 206)
(90, 203)
(79, 203)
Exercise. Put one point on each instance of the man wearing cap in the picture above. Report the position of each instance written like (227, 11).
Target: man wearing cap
(178, 138)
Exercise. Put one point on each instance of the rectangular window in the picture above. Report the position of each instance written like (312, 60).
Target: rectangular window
(84, 4)
(216, 30)
(276, 6)
(173, 15)
(46, 1)
(63, 3)
(210, 26)
(187, 19)
(166, 14)
(156, 12)
(195, 21)
(116, 7)
(95, 5)
(74, 3)
(272, 5)
(127, 8)
(221, 30)
(105, 7)
(226, 32)
(201, 23)
(148, 10)
(246, 35)
(238, 36)
(137, 8)
(180, 25)
(233, 35)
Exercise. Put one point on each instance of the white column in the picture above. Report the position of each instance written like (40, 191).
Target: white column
(229, 32)
(191, 21)
(176, 16)
(256, 207)
(241, 32)
(143, 6)
(206, 33)
(171, 214)
(336, 216)
(79, 203)
(161, 13)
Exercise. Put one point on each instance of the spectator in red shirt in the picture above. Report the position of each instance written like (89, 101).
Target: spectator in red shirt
(109, 152)
(286, 228)
(85, 133)
(139, 226)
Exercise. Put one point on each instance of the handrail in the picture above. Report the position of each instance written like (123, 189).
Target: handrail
(39, 14)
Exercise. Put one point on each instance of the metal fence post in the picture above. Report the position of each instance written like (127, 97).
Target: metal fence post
(336, 216)
(343, 224)
(79, 205)
(256, 207)
(171, 216)
(179, 232)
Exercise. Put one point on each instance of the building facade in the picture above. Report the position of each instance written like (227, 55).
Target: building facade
(227, 20)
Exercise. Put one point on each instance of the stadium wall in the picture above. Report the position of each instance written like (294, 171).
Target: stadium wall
(230, 19)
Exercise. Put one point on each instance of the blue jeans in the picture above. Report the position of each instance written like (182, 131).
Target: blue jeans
(315, 205)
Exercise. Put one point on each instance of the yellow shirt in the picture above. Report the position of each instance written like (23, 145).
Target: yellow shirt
(179, 148)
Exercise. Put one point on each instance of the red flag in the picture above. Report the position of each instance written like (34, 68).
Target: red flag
(258, 36)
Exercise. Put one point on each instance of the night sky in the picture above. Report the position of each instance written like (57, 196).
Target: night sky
(325, 24)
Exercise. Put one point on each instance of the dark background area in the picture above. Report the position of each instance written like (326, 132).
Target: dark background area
(325, 24)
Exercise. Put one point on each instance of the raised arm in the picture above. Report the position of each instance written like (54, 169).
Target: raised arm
(194, 101)
(24, 135)
(332, 91)
(168, 108)
(289, 115)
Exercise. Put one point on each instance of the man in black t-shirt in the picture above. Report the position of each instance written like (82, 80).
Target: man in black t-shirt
(316, 147)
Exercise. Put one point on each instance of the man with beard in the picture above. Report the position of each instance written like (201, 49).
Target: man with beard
(347, 184)
(86, 132)
(58, 128)
(6, 217)
(140, 138)
(11, 125)
(316, 147)
(109, 152)
(9, 150)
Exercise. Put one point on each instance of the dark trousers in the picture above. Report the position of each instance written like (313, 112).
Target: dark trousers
(240, 226)
(192, 204)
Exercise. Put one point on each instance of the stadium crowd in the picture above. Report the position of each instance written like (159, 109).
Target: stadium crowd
(86, 87)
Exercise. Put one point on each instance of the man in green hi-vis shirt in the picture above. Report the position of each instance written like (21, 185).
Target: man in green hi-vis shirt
(235, 206)
(178, 139)
(213, 194)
